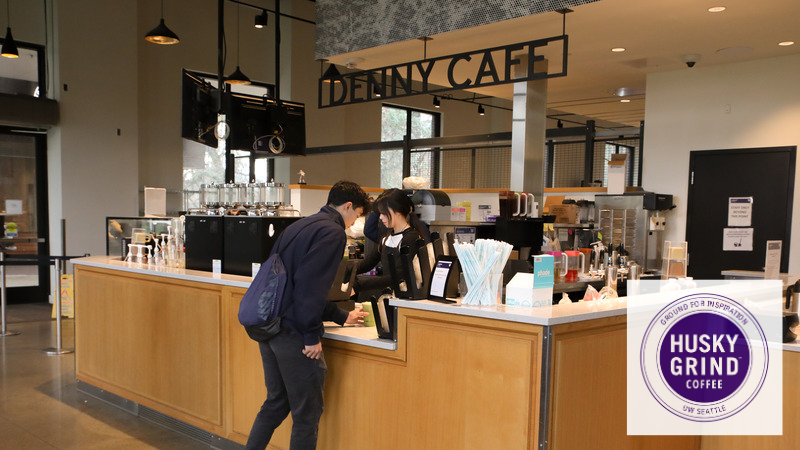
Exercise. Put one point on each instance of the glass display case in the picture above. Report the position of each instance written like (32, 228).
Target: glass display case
(119, 231)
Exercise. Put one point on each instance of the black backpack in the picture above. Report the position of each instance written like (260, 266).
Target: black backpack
(258, 310)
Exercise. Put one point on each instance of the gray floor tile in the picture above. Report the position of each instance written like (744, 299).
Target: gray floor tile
(40, 406)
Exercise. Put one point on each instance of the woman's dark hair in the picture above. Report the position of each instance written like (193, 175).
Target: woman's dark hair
(399, 202)
(347, 191)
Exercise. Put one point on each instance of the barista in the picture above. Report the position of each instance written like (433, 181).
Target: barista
(401, 228)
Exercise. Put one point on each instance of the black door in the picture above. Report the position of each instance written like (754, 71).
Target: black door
(715, 177)
(23, 179)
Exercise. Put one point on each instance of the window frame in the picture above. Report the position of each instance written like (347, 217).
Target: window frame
(437, 127)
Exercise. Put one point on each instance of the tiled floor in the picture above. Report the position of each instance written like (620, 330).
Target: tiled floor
(40, 407)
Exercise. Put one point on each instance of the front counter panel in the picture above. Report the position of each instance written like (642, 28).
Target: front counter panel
(457, 377)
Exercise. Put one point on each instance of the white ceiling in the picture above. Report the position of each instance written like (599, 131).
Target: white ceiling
(655, 33)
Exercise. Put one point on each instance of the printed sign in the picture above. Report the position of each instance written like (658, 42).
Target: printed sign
(740, 211)
(701, 362)
(772, 265)
(14, 207)
(737, 240)
(67, 298)
(464, 234)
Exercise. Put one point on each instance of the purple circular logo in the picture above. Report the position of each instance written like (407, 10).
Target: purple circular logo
(704, 357)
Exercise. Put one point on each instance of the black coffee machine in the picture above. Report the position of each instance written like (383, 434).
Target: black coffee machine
(204, 241)
(249, 239)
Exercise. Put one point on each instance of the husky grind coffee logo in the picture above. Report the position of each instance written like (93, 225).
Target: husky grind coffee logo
(704, 357)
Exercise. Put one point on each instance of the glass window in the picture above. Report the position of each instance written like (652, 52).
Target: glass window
(396, 123)
(23, 75)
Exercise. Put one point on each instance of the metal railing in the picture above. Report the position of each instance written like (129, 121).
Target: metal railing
(60, 264)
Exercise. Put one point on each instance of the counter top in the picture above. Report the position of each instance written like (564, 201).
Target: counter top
(545, 315)
(113, 262)
(358, 335)
(787, 278)
(792, 346)
(574, 312)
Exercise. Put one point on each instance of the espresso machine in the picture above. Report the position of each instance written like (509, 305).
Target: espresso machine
(633, 227)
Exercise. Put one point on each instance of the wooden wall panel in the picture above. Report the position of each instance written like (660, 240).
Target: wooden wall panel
(157, 343)
(465, 384)
(791, 417)
(589, 390)
(244, 377)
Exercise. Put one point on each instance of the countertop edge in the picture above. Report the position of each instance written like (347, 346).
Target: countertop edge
(535, 316)
(384, 344)
(106, 262)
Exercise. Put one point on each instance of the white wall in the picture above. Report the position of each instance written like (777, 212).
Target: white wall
(92, 171)
(117, 80)
(686, 110)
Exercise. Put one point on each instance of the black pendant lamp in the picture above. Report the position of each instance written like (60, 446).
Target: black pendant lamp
(261, 20)
(332, 74)
(237, 77)
(161, 34)
(9, 46)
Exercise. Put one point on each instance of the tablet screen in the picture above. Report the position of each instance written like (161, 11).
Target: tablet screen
(441, 272)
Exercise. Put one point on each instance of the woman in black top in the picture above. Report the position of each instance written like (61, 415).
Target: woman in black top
(403, 228)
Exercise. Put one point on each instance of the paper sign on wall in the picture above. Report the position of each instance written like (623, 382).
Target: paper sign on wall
(737, 240)
(740, 211)
(14, 207)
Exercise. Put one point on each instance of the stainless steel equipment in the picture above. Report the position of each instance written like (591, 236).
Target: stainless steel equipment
(229, 195)
(632, 222)
(431, 205)
(209, 195)
(272, 193)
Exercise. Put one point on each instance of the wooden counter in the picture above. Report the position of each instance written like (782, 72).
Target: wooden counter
(457, 377)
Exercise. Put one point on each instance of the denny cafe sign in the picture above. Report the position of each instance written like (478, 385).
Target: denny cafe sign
(481, 68)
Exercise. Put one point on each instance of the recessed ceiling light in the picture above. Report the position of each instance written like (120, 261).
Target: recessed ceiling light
(786, 43)
(618, 49)
(716, 9)
(625, 100)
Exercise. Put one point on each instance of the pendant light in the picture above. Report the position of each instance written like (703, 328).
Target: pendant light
(9, 46)
(237, 77)
(332, 74)
(161, 34)
(436, 102)
(481, 111)
(262, 19)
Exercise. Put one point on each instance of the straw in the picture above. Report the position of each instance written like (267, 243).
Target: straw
(482, 263)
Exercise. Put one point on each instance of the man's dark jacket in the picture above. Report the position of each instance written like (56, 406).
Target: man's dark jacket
(311, 260)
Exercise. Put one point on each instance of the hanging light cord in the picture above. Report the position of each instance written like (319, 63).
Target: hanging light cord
(238, 8)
